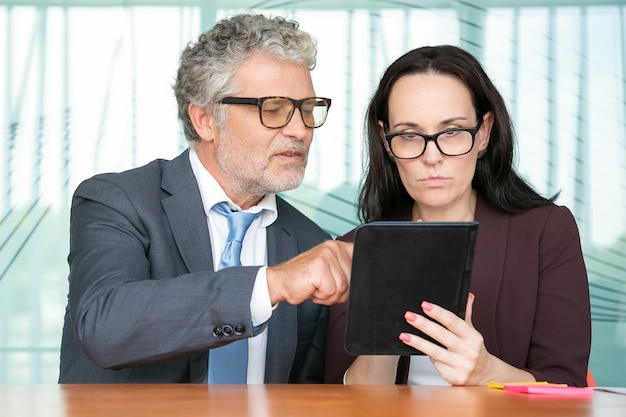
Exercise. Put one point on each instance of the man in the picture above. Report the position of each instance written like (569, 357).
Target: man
(148, 298)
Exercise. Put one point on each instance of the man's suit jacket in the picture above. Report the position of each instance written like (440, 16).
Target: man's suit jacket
(532, 295)
(143, 298)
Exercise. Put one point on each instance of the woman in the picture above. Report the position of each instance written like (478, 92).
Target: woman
(441, 149)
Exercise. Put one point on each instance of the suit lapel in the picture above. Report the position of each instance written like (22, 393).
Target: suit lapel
(185, 213)
(489, 259)
(282, 327)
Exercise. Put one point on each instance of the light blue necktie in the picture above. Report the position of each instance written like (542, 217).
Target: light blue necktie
(228, 364)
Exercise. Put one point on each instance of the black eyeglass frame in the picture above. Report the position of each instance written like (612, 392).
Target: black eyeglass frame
(433, 137)
(297, 104)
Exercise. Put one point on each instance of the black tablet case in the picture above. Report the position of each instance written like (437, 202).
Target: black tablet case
(396, 266)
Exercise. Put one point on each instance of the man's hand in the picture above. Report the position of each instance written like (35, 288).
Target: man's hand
(321, 274)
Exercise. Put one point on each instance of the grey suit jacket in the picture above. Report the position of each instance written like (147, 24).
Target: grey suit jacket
(143, 297)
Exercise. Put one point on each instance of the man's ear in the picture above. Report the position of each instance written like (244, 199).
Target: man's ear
(202, 121)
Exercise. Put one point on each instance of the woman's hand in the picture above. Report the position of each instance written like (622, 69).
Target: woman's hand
(464, 360)
(372, 369)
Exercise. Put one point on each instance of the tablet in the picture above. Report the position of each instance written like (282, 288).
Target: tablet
(396, 266)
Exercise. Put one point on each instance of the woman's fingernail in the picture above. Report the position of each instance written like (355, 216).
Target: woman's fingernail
(410, 316)
(426, 306)
(405, 337)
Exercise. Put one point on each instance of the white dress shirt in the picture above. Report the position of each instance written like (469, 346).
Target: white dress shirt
(423, 372)
(254, 252)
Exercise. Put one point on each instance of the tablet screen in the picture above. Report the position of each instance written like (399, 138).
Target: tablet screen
(396, 266)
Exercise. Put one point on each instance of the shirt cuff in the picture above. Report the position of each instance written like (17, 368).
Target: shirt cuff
(260, 305)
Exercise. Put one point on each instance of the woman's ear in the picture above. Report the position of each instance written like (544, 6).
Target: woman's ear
(202, 121)
(483, 134)
(381, 135)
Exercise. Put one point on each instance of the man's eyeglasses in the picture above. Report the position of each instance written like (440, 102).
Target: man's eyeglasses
(450, 142)
(276, 112)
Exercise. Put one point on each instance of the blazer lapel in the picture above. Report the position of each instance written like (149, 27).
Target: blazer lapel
(489, 258)
(283, 325)
(185, 213)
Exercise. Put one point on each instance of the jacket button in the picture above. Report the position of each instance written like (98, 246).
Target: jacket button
(227, 330)
(217, 332)
(239, 329)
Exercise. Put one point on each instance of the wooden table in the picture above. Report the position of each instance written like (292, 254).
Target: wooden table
(294, 401)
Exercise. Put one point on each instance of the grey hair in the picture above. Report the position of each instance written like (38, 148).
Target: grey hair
(206, 70)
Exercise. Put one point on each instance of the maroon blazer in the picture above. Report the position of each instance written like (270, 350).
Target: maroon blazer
(532, 296)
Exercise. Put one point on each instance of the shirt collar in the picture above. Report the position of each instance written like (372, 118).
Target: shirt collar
(212, 193)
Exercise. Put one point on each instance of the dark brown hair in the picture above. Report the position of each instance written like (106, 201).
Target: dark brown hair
(382, 192)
